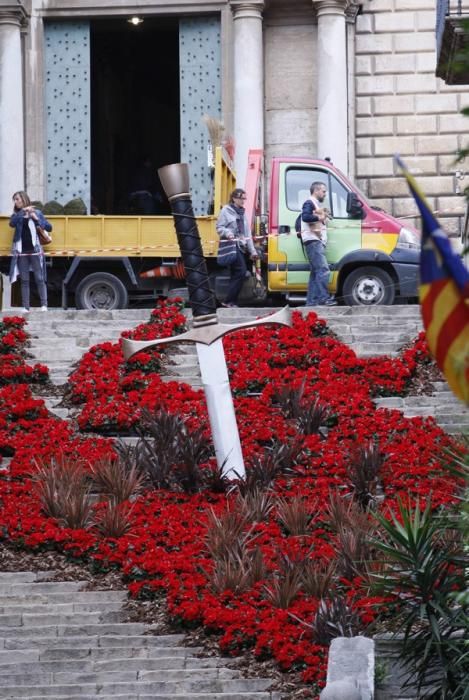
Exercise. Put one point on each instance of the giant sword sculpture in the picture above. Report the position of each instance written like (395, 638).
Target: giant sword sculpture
(207, 332)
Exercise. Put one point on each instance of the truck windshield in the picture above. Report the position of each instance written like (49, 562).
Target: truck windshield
(298, 183)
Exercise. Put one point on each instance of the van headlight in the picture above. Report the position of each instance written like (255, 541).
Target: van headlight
(408, 239)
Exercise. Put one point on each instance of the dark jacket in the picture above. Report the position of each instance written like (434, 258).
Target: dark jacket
(16, 222)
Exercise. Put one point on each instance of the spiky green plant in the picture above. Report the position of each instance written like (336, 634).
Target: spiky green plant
(423, 569)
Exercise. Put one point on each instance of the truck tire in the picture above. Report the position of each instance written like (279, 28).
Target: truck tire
(101, 290)
(367, 286)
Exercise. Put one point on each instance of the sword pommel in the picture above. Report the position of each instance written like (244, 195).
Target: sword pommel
(175, 180)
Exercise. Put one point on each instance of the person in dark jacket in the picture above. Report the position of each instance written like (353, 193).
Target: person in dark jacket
(232, 223)
(314, 238)
(27, 253)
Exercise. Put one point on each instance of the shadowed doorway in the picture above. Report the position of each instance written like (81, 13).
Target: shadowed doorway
(135, 107)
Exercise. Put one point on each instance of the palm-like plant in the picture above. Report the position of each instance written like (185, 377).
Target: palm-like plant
(423, 569)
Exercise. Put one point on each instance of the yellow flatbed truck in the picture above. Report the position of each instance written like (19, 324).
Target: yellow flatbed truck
(99, 259)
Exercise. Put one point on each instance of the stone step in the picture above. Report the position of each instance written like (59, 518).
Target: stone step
(57, 675)
(83, 342)
(183, 371)
(162, 654)
(378, 335)
(91, 641)
(11, 587)
(79, 598)
(58, 609)
(461, 429)
(63, 630)
(169, 689)
(55, 314)
(151, 696)
(72, 354)
(447, 402)
(30, 619)
(62, 413)
(194, 382)
(10, 577)
(30, 662)
(68, 331)
(375, 349)
(449, 416)
(4, 463)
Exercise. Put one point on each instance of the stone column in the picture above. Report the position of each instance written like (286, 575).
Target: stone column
(12, 16)
(332, 140)
(248, 89)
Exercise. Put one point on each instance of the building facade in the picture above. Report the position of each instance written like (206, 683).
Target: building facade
(86, 96)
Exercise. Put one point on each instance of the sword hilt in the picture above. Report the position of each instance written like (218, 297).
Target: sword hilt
(175, 181)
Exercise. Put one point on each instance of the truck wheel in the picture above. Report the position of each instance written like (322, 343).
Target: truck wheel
(101, 290)
(368, 286)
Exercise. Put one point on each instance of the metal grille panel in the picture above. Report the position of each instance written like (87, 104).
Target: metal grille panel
(67, 88)
(200, 87)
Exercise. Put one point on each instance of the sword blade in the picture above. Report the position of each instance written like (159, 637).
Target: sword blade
(220, 409)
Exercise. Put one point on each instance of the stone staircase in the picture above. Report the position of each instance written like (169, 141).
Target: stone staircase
(62, 642)
(60, 338)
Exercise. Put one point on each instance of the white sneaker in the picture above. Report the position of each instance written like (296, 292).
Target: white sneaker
(23, 311)
(43, 308)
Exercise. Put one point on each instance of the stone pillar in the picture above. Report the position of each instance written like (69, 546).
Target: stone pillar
(12, 16)
(332, 137)
(248, 90)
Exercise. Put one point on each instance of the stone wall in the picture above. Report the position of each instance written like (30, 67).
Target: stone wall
(290, 88)
(402, 107)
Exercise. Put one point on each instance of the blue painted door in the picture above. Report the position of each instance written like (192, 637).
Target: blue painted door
(67, 100)
(200, 93)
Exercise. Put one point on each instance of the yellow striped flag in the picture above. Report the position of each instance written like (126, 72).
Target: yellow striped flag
(444, 297)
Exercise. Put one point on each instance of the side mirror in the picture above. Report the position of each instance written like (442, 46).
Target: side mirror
(354, 206)
(284, 229)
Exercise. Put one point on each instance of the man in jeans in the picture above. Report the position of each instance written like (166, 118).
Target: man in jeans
(314, 237)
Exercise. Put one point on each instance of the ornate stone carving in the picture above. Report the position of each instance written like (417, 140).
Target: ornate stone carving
(241, 8)
(14, 13)
(332, 7)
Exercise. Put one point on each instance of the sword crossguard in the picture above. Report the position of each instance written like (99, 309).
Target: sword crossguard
(206, 331)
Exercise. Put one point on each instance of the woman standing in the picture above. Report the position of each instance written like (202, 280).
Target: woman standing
(232, 224)
(27, 253)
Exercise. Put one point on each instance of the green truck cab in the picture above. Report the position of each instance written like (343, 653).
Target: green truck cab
(373, 257)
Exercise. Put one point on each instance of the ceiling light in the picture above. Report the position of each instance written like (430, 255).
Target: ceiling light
(135, 21)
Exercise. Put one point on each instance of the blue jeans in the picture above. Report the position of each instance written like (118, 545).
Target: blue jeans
(238, 274)
(319, 275)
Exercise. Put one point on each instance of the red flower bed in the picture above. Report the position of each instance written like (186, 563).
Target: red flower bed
(166, 547)
(13, 368)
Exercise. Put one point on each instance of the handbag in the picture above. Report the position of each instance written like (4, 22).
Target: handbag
(227, 252)
(44, 237)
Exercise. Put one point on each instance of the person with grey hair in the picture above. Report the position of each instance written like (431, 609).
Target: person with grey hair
(232, 223)
(27, 253)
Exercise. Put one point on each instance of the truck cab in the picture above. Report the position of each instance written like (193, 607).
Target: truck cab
(372, 257)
